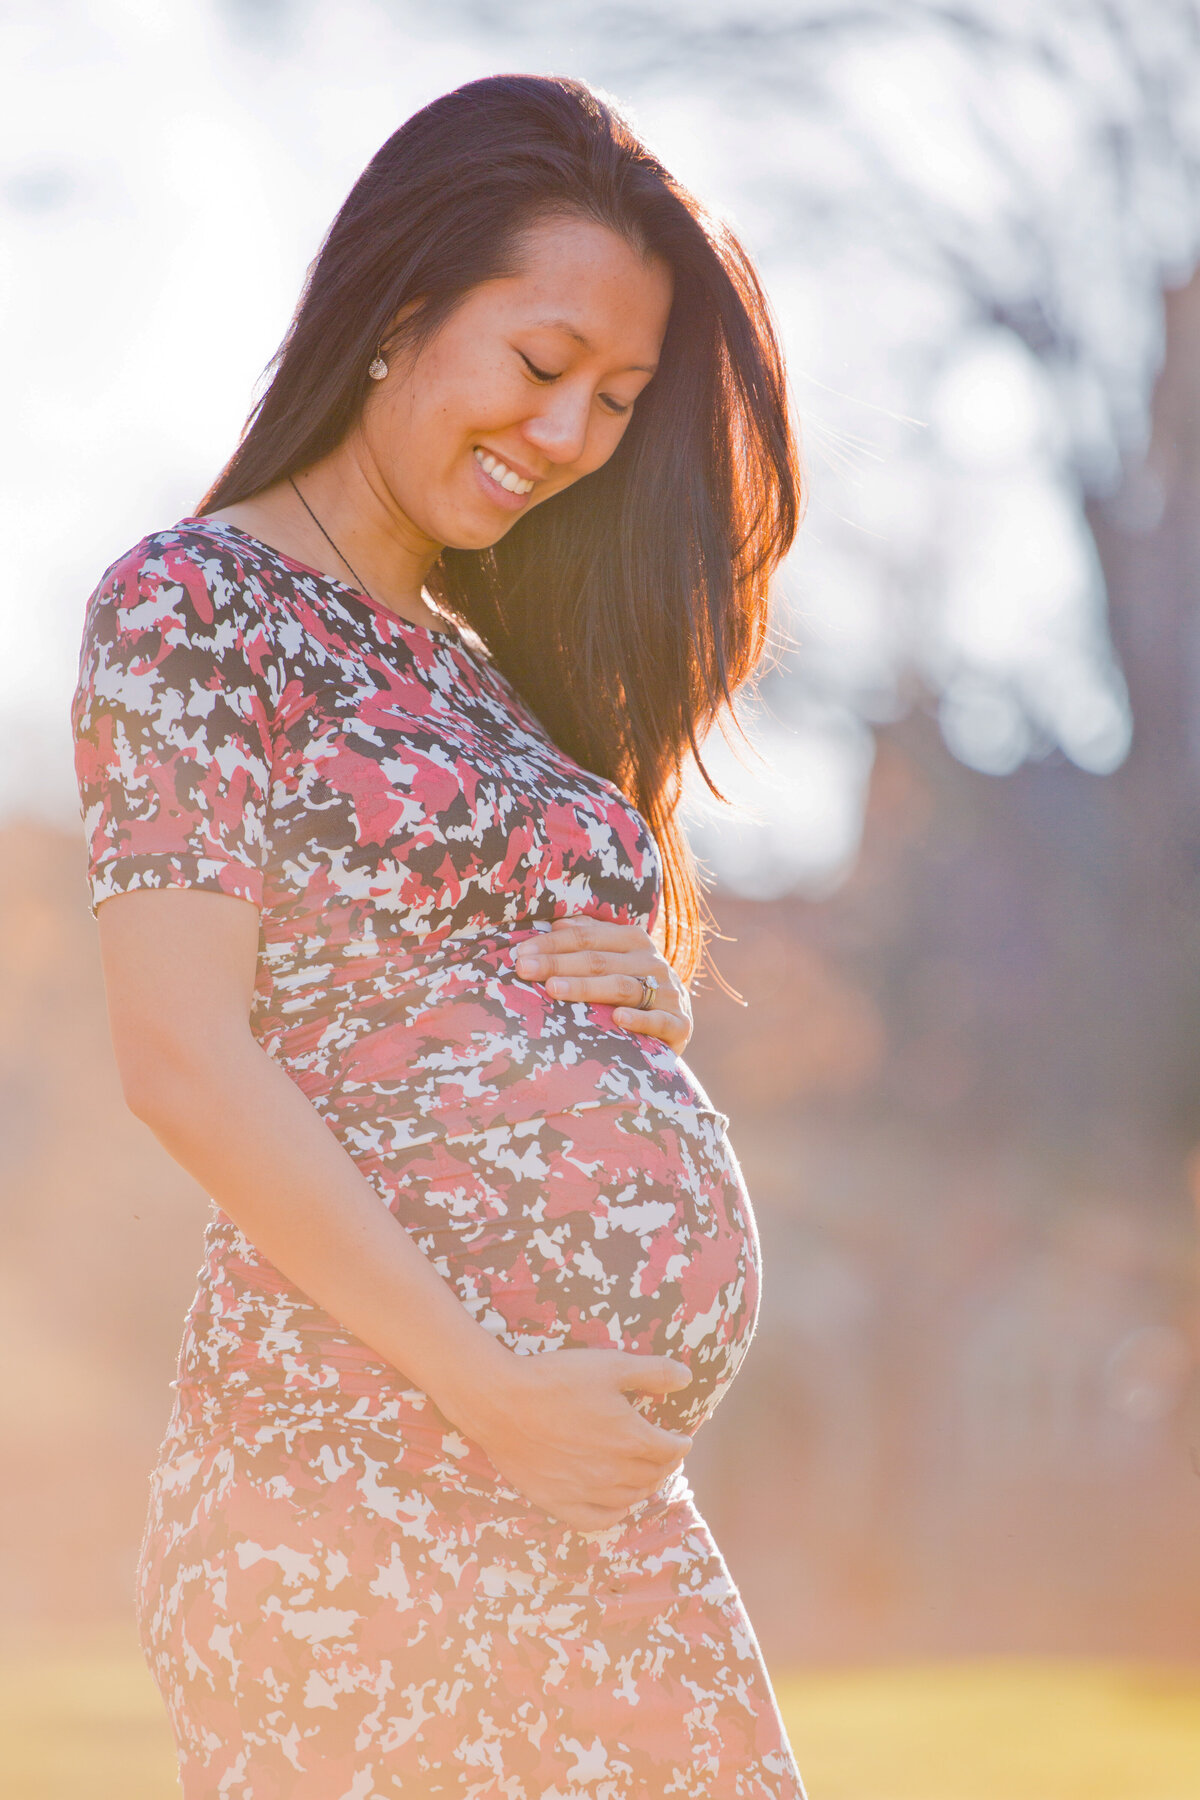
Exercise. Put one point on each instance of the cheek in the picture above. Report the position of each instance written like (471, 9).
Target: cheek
(468, 387)
(602, 441)
(419, 442)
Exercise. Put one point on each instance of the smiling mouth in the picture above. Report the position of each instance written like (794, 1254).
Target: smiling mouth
(501, 474)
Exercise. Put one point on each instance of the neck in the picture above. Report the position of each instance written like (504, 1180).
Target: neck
(377, 544)
(390, 554)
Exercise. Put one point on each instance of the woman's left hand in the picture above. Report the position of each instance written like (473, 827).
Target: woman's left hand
(600, 962)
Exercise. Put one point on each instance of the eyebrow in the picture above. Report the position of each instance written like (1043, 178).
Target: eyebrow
(563, 325)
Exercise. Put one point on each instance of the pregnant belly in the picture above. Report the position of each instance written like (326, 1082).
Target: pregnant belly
(613, 1227)
(620, 1226)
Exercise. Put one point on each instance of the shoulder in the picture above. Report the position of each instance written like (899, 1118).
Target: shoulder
(181, 583)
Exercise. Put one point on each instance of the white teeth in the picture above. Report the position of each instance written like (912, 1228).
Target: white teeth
(501, 474)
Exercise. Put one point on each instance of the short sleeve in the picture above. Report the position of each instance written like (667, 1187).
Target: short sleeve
(172, 724)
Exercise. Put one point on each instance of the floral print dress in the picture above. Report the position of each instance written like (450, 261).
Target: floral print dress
(338, 1595)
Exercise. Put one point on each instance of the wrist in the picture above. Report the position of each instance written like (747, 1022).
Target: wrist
(474, 1392)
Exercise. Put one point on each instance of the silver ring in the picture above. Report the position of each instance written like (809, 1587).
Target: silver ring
(649, 989)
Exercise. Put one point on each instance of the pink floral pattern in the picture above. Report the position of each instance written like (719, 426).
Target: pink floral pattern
(340, 1597)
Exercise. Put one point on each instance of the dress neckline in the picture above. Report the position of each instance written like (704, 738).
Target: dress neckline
(194, 521)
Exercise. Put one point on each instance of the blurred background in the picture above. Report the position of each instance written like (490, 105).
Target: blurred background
(958, 1478)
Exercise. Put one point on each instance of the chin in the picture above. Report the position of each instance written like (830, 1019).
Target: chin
(477, 537)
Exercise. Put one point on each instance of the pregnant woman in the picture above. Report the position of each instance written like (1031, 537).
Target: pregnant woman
(379, 757)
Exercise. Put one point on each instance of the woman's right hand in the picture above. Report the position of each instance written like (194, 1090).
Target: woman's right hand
(558, 1425)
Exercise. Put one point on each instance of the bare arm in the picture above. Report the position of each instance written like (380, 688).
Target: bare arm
(179, 969)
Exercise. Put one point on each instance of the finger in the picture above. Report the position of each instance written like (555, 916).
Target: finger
(666, 1457)
(654, 1462)
(649, 1374)
(538, 961)
(625, 1493)
(586, 1517)
(593, 934)
(612, 988)
(589, 965)
(548, 946)
(654, 1022)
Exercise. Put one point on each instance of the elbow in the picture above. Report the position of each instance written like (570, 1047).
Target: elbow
(142, 1103)
(148, 1094)
(162, 1082)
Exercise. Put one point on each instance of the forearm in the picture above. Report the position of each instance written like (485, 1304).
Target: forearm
(249, 1135)
(181, 966)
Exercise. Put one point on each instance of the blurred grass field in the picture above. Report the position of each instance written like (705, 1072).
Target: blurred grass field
(88, 1722)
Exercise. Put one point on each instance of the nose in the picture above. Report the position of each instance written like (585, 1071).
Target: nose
(559, 427)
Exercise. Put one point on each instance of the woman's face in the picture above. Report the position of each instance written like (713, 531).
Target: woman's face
(528, 385)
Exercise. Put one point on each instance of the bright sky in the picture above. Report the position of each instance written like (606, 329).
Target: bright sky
(166, 172)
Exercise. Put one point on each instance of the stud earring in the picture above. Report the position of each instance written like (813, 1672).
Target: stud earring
(378, 369)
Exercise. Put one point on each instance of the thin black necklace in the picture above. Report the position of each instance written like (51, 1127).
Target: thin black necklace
(341, 557)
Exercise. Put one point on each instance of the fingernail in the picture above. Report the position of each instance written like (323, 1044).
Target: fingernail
(556, 985)
(528, 965)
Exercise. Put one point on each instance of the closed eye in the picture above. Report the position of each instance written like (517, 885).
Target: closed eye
(538, 374)
(548, 375)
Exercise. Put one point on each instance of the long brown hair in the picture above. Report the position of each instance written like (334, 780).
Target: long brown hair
(627, 609)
